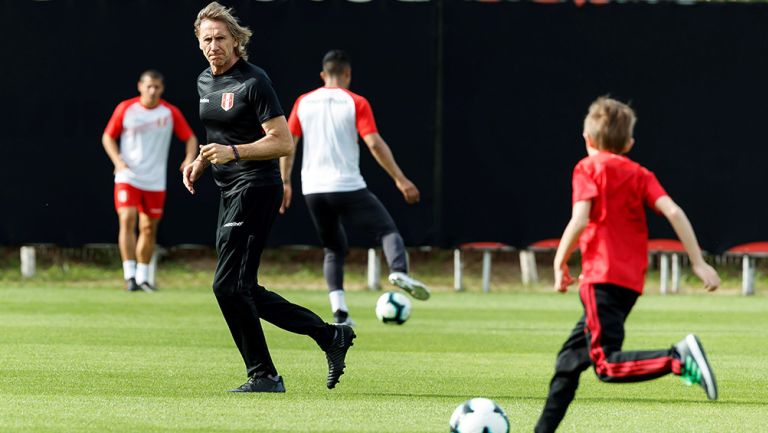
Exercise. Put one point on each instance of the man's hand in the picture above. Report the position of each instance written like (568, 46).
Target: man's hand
(191, 173)
(708, 275)
(120, 166)
(287, 194)
(409, 190)
(563, 278)
(217, 153)
(185, 163)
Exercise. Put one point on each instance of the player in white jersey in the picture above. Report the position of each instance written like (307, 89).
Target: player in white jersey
(330, 119)
(144, 125)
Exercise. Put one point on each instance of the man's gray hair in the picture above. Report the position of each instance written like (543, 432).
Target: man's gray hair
(216, 12)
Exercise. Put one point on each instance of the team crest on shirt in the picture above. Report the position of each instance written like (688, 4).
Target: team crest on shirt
(227, 101)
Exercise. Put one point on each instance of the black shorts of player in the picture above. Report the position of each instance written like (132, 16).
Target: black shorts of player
(245, 220)
(358, 208)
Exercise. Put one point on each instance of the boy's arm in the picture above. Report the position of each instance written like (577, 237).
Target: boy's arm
(685, 233)
(577, 224)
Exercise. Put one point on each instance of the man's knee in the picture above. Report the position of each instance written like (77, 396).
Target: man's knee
(127, 218)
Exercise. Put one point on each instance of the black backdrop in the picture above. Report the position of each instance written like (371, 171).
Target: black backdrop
(482, 104)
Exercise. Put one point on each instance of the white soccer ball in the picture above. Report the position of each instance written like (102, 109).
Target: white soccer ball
(393, 308)
(479, 415)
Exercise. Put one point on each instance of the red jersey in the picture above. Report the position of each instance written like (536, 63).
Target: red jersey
(614, 246)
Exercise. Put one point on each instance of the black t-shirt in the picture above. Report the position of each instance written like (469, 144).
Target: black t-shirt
(233, 106)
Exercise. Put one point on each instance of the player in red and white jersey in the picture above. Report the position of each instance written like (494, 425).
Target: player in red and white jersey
(330, 119)
(143, 125)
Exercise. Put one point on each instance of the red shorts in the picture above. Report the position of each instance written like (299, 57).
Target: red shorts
(147, 202)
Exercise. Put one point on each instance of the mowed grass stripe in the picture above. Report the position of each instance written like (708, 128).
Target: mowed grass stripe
(96, 360)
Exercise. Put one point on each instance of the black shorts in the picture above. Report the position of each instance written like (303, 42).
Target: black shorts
(359, 208)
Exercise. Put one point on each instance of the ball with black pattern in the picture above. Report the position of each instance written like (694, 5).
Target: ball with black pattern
(479, 415)
(393, 308)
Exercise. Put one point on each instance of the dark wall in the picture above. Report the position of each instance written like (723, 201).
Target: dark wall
(517, 79)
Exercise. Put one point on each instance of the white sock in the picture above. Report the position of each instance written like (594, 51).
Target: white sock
(337, 301)
(129, 269)
(142, 272)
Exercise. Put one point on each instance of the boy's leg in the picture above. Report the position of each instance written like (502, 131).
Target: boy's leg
(606, 307)
(327, 223)
(572, 360)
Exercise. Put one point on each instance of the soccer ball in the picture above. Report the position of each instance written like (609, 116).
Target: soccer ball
(479, 415)
(393, 307)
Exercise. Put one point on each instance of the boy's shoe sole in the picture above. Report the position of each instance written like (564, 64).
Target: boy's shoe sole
(691, 346)
(414, 287)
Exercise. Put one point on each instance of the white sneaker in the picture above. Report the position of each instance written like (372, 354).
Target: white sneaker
(414, 287)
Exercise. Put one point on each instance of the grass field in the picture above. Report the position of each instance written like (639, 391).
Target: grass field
(95, 359)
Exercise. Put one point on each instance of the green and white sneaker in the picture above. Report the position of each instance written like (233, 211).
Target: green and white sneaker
(695, 369)
(414, 287)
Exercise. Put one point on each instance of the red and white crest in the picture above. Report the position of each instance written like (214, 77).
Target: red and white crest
(227, 101)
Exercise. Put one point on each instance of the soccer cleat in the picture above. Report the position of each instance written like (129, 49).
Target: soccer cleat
(341, 317)
(695, 368)
(335, 354)
(131, 286)
(261, 384)
(414, 287)
(149, 288)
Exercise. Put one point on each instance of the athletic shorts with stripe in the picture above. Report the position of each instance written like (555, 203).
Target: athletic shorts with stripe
(596, 341)
(147, 202)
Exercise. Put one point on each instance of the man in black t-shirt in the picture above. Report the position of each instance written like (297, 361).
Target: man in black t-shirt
(247, 134)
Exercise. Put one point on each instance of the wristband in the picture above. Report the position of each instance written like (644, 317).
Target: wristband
(237, 154)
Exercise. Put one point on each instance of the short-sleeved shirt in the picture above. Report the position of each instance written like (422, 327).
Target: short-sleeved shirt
(145, 137)
(614, 246)
(330, 119)
(233, 105)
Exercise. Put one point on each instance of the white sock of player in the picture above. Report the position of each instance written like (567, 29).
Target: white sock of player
(142, 272)
(129, 269)
(337, 301)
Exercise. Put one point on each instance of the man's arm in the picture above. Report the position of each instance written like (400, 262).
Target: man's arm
(276, 143)
(113, 151)
(286, 168)
(577, 224)
(383, 155)
(191, 151)
(685, 233)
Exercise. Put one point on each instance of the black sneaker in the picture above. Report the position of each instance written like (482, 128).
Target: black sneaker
(261, 384)
(341, 317)
(149, 288)
(131, 286)
(335, 354)
(695, 366)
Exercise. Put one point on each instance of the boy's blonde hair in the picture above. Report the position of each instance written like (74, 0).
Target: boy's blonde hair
(610, 123)
(216, 12)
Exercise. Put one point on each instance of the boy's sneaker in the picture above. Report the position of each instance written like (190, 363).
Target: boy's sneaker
(261, 384)
(335, 354)
(341, 317)
(414, 287)
(695, 368)
(149, 288)
(131, 286)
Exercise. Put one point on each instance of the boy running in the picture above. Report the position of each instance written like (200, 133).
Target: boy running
(610, 193)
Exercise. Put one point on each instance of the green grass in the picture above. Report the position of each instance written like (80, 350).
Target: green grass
(96, 359)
